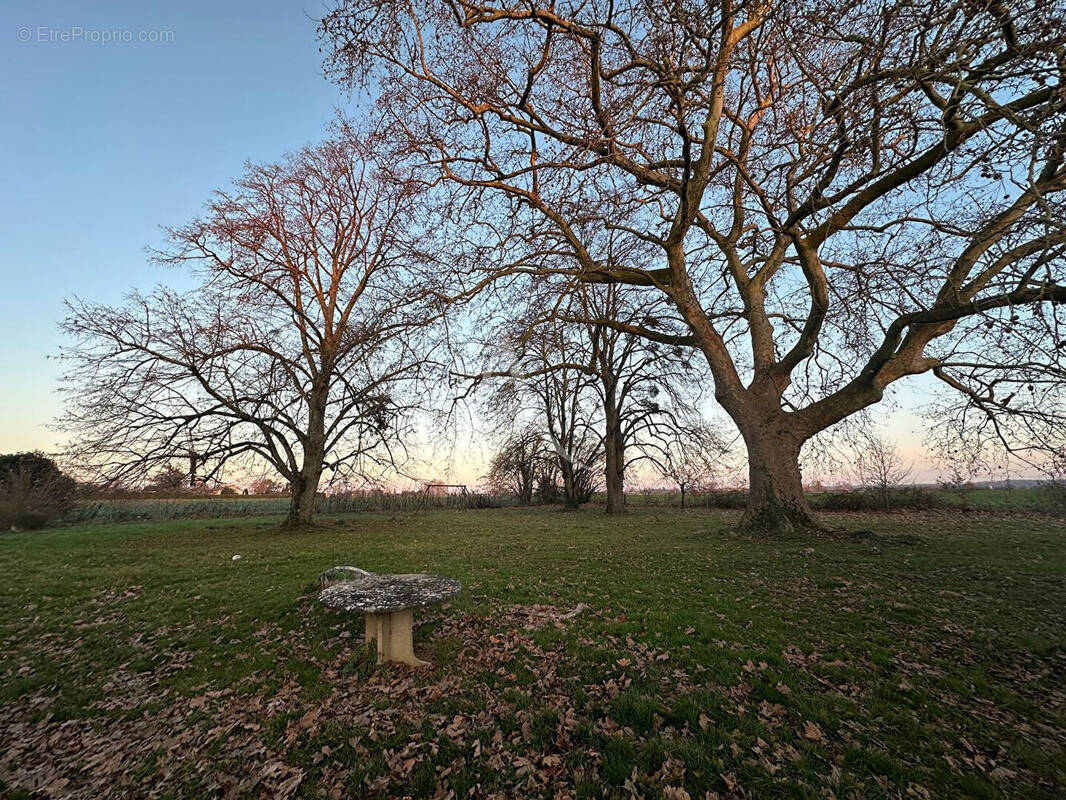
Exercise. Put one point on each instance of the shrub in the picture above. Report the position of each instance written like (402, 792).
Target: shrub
(29, 521)
(484, 501)
(1053, 497)
(733, 500)
(895, 499)
(33, 491)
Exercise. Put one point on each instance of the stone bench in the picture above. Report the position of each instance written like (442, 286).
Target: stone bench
(388, 602)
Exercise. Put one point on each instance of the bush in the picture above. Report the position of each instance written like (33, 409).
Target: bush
(29, 521)
(33, 491)
(731, 500)
(484, 501)
(910, 499)
(1053, 497)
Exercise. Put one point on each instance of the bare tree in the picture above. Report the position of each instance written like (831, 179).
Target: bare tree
(265, 485)
(840, 195)
(645, 388)
(1054, 489)
(517, 464)
(879, 465)
(691, 458)
(298, 347)
(168, 478)
(549, 388)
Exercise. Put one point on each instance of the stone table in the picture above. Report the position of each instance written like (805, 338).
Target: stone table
(388, 601)
(335, 575)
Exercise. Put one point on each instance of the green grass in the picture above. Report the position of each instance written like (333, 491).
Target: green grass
(927, 659)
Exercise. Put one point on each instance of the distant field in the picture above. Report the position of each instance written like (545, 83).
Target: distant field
(1023, 499)
(648, 655)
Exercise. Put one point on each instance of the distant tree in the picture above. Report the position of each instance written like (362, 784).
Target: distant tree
(265, 486)
(548, 491)
(33, 490)
(297, 348)
(691, 458)
(959, 481)
(646, 389)
(1054, 488)
(168, 478)
(633, 393)
(515, 466)
(879, 465)
(548, 388)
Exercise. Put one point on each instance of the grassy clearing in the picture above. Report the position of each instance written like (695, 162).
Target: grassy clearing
(927, 661)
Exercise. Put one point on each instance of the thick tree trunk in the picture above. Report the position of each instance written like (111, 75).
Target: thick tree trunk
(305, 486)
(776, 503)
(302, 500)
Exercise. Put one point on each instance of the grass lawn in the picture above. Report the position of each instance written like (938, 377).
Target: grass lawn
(925, 661)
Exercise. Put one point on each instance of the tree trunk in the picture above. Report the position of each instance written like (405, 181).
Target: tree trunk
(302, 499)
(615, 453)
(305, 486)
(524, 485)
(570, 498)
(776, 503)
(681, 486)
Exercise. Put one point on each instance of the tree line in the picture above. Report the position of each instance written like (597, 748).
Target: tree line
(595, 212)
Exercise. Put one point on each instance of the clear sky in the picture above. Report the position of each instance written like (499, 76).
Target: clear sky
(103, 142)
(120, 117)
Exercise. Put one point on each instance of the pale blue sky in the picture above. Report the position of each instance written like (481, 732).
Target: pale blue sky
(103, 142)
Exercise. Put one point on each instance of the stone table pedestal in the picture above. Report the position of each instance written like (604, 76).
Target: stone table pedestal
(393, 634)
(388, 601)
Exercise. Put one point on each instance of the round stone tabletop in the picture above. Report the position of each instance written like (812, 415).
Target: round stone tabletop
(382, 594)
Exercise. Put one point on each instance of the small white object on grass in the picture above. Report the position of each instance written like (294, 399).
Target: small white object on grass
(237, 557)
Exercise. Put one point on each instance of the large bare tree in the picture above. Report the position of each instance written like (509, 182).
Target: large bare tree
(840, 195)
(297, 347)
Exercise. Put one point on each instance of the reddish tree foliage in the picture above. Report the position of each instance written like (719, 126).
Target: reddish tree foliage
(296, 348)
